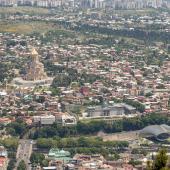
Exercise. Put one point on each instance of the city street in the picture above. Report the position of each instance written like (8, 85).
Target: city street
(24, 152)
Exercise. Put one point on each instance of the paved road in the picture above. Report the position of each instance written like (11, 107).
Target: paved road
(121, 136)
(24, 152)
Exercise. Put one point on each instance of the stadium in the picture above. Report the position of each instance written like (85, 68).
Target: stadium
(158, 132)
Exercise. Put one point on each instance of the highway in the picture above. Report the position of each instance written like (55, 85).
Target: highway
(24, 152)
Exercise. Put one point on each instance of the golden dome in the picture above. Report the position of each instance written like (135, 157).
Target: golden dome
(34, 52)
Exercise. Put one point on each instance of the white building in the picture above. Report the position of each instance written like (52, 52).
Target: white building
(68, 120)
(47, 120)
(44, 120)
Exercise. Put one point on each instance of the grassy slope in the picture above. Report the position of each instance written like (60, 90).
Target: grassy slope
(26, 27)
(23, 10)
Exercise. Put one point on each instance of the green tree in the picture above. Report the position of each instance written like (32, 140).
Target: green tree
(6, 73)
(55, 91)
(161, 160)
(10, 143)
(135, 162)
(21, 165)
(11, 164)
(149, 165)
(37, 158)
(18, 128)
(61, 81)
(44, 162)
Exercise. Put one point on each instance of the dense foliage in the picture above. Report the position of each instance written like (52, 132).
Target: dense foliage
(11, 164)
(94, 127)
(137, 33)
(10, 143)
(84, 145)
(17, 128)
(21, 166)
(160, 162)
(38, 158)
(78, 142)
(5, 71)
(56, 35)
(139, 106)
(71, 75)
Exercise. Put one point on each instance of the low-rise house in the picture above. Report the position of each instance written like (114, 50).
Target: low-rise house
(3, 152)
(5, 121)
(88, 162)
(3, 163)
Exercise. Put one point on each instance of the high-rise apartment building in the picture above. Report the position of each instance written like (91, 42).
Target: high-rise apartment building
(121, 4)
(115, 4)
(38, 3)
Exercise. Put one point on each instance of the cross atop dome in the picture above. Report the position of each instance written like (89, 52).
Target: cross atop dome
(34, 51)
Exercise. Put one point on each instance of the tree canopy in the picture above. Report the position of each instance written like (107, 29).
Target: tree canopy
(95, 126)
(22, 165)
(161, 160)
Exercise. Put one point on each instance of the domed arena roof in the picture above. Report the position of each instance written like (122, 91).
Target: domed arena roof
(160, 132)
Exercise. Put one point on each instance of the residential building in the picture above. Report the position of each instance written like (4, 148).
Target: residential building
(44, 120)
(3, 163)
(119, 109)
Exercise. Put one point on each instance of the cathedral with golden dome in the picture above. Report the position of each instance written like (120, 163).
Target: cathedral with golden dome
(35, 70)
(35, 74)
